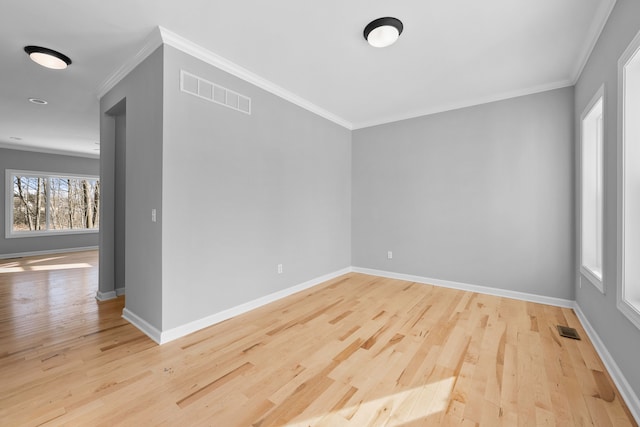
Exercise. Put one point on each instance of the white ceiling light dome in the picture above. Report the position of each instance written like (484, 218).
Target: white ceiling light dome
(383, 32)
(48, 57)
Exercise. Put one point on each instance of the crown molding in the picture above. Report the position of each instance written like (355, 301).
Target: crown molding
(463, 104)
(43, 150)
(151, 43)
(161, 36)
(597, 25)
(201, 53)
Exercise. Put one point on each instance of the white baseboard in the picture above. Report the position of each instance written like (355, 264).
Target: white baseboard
(627, 393)
(47, 252)
(180, 331)
(559, 302)
(161, 337)
(105, 296)
(142, 324)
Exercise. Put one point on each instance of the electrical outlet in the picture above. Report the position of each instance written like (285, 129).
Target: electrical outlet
(389, 255)
(153, 215)
(279, 268)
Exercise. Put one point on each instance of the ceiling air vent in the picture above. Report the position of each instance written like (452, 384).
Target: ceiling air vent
(212, 92)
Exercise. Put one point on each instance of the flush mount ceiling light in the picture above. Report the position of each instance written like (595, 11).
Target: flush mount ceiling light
(47, 57)
(38, 101)
(383, 32)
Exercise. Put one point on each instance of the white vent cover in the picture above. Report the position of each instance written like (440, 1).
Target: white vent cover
(212, 92)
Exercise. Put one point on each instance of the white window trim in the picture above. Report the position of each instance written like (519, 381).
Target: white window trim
(8, 215)
(625, 307)
(585, 271)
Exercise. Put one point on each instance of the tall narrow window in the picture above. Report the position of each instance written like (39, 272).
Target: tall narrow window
(591, 137)
(629, 182)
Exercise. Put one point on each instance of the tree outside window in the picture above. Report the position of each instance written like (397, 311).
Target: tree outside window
(46, 203)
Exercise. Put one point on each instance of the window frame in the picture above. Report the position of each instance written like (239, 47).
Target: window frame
(9, 231)
(625, 306)
(585, 271)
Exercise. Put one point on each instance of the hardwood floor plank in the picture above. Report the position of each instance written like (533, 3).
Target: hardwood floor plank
(218, 382)
(357, 350)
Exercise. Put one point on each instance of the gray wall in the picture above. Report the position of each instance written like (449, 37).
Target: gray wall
(620, 336)
(243, 193)
(120, 183)
(142, 91)
(33, 161)
(481, 195)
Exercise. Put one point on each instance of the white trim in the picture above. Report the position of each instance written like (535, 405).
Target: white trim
(48, 252)
(600, 19)
(26, 234)
(591, 277)
(463, 104)
(524, 296)
(141, 324)
(584, 270)
(161, 35)
(105, 296)
(9, 233)
(592, 103)
(151, 43)
(33, 149)
(626, 308)
(627, 393)
(181, 331)
(629, 310)
(205, 55)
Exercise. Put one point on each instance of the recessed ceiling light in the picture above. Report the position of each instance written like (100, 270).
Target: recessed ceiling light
(38, 101)
(48, 57)
(383, 32)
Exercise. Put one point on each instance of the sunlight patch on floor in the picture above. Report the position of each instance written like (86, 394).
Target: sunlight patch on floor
(398, 409)
(40, 260)
(4, 270)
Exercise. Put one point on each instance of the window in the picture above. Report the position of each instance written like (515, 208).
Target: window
(629, 182)
(45, 204)
(591, 137)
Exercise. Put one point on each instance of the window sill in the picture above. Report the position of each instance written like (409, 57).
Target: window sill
(631, 309)
(593, 278)
(26, 234)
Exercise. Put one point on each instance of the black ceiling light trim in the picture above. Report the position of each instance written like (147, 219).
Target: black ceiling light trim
(55, 57)
(383, 22)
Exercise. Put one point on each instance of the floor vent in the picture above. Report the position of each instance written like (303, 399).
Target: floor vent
(212, 92)
(568, 332)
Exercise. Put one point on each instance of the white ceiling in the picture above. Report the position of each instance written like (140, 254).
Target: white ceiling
(452, 53)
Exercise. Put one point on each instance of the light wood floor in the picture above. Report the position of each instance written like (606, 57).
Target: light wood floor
(355, 351)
